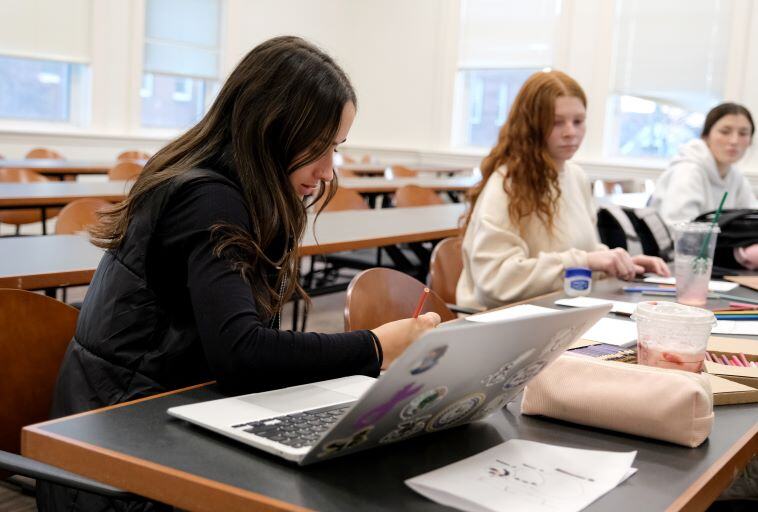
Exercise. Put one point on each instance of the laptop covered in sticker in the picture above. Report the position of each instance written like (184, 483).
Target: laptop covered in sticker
(452, 375)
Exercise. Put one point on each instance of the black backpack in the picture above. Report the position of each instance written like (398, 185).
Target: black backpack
(638, 230)
(739, 228)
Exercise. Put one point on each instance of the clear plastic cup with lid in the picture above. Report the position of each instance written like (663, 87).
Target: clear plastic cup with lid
(671, 335)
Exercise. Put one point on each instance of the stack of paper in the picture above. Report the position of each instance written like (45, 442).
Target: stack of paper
(619, 306)
(713, 286)
(524, 475)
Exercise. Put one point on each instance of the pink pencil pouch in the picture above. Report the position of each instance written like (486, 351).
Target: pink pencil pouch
(669, 405)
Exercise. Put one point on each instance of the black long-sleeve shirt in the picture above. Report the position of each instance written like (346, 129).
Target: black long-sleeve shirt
(242, 351)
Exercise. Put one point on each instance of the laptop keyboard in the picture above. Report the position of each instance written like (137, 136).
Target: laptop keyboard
(298, 429)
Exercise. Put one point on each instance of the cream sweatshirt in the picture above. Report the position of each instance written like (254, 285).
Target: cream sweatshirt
(501, 266)
(692, 185)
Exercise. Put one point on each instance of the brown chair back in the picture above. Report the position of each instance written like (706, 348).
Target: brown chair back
(34, 333)
(124, 170)
(413, 195)
(445, 268)
(347, 159)
(19, 217)
(380, 295)
(366, 159)
(78, 215)
(400, 171)
(44, 153)
(344, 199)
(133, 155)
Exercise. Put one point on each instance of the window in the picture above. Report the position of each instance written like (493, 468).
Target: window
(666, 75)
(502, 43)
(180, 72)
(44, 73)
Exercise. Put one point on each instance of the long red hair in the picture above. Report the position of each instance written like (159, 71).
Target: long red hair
(532, 176)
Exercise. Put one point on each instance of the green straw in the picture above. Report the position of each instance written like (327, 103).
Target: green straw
(701, 259)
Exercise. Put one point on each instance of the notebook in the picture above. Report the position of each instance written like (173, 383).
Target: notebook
(451, 376)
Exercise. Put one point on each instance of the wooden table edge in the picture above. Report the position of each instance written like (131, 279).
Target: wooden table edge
(705, 490)
(328, 248)
(80, 277)
(187, 491)
(54, 201)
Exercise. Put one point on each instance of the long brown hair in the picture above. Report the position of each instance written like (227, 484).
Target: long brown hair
(532, 177)
(279, 110)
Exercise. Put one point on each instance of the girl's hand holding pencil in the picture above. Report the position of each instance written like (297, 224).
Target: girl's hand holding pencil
(396, 336)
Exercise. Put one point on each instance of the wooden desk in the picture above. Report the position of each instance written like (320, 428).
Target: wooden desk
(41, 262)
(384, 185)
(138, 447)
(379, 169)
(61, 168)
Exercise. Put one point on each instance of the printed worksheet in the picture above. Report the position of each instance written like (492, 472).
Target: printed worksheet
(619, 307)
(713, 286)
(622, 333)
(508, 313)
(525, 475)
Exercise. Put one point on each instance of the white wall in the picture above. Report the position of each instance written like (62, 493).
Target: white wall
(401, 56)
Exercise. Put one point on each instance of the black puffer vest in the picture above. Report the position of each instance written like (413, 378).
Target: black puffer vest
(127, 345)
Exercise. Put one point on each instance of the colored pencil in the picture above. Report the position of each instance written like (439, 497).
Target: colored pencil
(421, 301)
(737, 361)
(744, 360)
(708, 357)
(737, 317)
(726, 360)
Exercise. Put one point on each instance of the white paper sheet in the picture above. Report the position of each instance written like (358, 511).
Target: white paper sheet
(736, 327)
(713, 286)
(620, 307)
(508, 313)
(524, 475)
(622, 333)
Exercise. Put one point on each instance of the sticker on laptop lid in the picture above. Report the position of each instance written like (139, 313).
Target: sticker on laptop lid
(346, 443)
(456, 412)
(493, 405)
(406, 429)
(522, 376)
(429, 360)
(377, 413)
(423, 401)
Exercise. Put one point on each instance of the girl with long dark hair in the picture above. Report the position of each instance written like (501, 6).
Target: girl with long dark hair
(202, 254)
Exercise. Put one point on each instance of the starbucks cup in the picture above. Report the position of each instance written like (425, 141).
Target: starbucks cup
(671, 335)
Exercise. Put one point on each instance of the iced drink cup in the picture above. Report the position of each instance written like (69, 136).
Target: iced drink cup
(693, 260)
(671, 335)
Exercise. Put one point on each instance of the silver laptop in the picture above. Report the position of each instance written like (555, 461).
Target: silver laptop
(451, 376)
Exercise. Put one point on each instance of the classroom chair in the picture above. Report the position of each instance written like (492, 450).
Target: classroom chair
(44, 153)
(400, 171)
(413, 195)
(34, 333)
(132, 154)
(380, 295)
(327, 279)
(445, 269)
(21, 217)
(78, 215)
(124, 170)
(343, 199)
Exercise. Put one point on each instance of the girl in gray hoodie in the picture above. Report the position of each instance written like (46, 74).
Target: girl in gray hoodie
(703, 170)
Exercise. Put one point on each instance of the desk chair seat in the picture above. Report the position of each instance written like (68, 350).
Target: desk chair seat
(78, 215)
(34, 333)
(380, 295)
(132, 154)
(445, 269)
(413, 195)
(44, 153)
(21, 217)
(125, 170)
